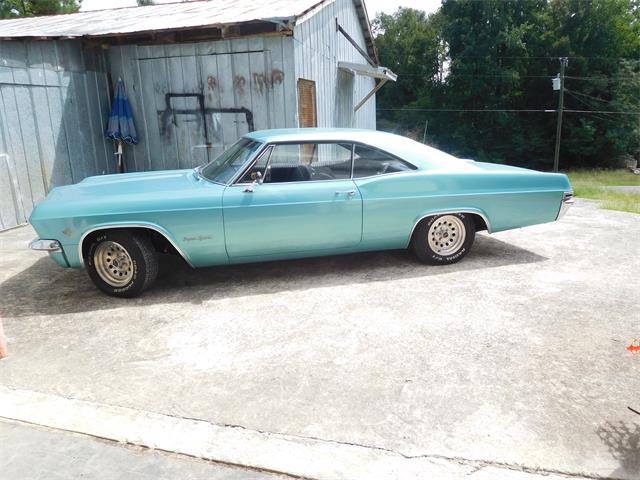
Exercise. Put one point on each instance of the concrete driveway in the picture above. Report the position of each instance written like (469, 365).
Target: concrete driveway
(512, 361)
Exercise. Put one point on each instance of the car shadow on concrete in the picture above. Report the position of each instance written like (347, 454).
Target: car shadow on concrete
(45, 289)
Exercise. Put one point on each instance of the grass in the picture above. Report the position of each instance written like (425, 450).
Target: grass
(592, 184)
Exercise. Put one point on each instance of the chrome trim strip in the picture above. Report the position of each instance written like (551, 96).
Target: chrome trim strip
(45, 245)
(131, 225)
(567, 200)
(444, 212)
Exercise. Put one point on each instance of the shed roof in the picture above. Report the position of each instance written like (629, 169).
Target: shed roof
(167, 17)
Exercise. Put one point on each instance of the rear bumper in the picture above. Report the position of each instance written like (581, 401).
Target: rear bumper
(567, 201)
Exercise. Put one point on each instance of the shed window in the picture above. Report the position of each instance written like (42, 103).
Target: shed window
(307, 103)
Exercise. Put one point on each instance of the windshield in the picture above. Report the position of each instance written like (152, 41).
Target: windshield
(223, 168)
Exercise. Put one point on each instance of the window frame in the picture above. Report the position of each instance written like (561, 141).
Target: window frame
(272, 145)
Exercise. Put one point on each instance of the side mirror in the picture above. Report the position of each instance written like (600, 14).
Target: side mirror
(262, 178)
(258, 180)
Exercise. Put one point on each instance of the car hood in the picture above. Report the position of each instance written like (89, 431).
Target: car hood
(129, 192)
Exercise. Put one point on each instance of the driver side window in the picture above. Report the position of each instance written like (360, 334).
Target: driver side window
(299, 162)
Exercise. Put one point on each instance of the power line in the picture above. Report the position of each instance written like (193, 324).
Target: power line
(587, 96)
(517, 77)
(544, 58)
(604, 111)
(608, 117)
(466, 110)
(478, 75)
(507, 110)
(603, 77)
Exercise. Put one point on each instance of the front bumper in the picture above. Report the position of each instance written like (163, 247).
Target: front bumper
(567, 201)
(45, 245)
(53, 248)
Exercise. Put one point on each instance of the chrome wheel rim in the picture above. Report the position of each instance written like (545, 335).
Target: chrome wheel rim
(446, 235)
(113, 263)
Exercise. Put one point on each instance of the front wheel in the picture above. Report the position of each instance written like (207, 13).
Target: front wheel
(443, 239)
(122, 264)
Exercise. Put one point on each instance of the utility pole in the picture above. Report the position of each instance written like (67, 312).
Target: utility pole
(556, 157)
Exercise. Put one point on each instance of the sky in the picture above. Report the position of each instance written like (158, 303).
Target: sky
(373, 6)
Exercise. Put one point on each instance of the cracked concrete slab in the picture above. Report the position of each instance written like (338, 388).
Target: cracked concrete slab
(301, 457)
(30, 452)
(514, 356)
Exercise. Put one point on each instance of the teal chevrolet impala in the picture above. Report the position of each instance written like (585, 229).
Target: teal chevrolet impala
(292, 193)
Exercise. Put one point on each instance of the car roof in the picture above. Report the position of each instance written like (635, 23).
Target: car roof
(423, 156)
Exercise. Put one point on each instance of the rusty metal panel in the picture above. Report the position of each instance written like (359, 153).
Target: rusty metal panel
(307, 108)
(191, 101)
(275, 70)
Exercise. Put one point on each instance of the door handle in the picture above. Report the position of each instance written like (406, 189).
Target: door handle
(348, 193)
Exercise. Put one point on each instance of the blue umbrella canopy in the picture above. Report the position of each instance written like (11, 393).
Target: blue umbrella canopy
(121, 125)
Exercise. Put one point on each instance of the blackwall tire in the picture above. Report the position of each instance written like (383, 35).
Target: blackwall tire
(443, 239)
(121, 263)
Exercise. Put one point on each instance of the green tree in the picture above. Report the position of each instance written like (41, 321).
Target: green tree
(32, 8)
(409, 44)
(602, 41)
(494, 50)
(481, 78)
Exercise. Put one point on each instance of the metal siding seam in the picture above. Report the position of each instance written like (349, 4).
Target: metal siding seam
(186, 88)
(37, 136)
(129, 73)
(23, 160)
(289, 67)
(103, 102)
(63, 94)
(58, 132)
(168, 84)
(90, 113)
(142, 115)
(46, 87)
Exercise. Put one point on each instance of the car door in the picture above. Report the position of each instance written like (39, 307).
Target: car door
(307, 203)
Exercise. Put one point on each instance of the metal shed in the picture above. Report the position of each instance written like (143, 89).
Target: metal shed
(199, 75)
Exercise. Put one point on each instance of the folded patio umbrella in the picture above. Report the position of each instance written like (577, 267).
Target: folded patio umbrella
(120, 127)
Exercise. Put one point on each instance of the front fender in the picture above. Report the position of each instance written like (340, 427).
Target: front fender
(79, 260)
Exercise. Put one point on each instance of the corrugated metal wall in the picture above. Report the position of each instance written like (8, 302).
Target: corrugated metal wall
(54, 100)
(53, 105)
(318, 49)
(188, 95)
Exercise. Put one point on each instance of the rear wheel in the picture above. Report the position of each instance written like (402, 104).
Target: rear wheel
(120, 263)
(443, 239)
